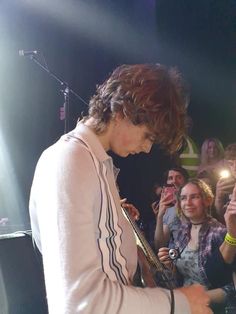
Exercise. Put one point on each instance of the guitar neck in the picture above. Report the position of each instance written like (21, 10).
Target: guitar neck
(143, 242)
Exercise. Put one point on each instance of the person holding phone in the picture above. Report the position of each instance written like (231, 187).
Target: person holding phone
(223, 261)
(224, 186)
(167, 219)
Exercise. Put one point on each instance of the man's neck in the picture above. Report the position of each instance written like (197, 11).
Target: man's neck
(104, 137)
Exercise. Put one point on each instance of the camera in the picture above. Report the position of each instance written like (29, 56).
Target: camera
(174, 253)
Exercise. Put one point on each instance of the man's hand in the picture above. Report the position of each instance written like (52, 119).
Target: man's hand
(224, 187)
(132, 210)
(198, 299)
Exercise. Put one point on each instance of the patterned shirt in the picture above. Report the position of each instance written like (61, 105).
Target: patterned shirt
(188, 267)
(211, 236)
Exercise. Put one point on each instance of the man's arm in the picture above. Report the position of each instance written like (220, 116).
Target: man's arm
(228, 252)
(228, 248)
(224, 187)
(221, 263)
(66, 199)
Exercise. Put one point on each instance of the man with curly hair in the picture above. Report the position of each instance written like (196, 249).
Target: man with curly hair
(88, 247)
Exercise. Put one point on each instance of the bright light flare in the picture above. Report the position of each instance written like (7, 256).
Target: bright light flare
(224, 173)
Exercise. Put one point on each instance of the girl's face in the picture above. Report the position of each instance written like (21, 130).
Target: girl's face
(193, 205)
(212, 150)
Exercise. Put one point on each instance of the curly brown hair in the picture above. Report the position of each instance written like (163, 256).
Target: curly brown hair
(148, 94)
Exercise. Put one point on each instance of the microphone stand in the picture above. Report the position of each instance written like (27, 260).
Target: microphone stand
(66, 90)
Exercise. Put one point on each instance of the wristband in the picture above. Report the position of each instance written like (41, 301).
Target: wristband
(230, 237)
(230, 240)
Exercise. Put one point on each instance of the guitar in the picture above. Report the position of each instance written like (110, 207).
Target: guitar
(153, 272)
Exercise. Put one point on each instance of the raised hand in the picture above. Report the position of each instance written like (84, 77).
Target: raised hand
(225, 186)
(230, 215)
(167, 200)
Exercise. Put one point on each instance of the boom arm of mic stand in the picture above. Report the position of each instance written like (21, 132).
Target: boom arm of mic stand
(66, 92)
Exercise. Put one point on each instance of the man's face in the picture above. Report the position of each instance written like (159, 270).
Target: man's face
(127, 138)
(176, 178)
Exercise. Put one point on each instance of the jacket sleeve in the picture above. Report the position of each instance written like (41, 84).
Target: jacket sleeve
(64, 196)
(218, 272)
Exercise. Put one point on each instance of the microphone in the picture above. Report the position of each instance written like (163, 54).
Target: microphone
(23, 53)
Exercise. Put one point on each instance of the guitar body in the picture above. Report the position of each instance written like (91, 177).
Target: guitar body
(151, 272)
(148, 275)
(145, 270)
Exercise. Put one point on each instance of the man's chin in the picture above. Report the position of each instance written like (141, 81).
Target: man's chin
(125, 154)
(122, 154)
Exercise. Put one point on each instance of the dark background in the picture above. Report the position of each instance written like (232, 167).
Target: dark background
(83, 41)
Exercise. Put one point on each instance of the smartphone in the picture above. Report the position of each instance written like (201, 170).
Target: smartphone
(170, 189)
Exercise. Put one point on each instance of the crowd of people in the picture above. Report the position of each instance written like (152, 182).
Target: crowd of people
(200, 228)
(88, 247)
